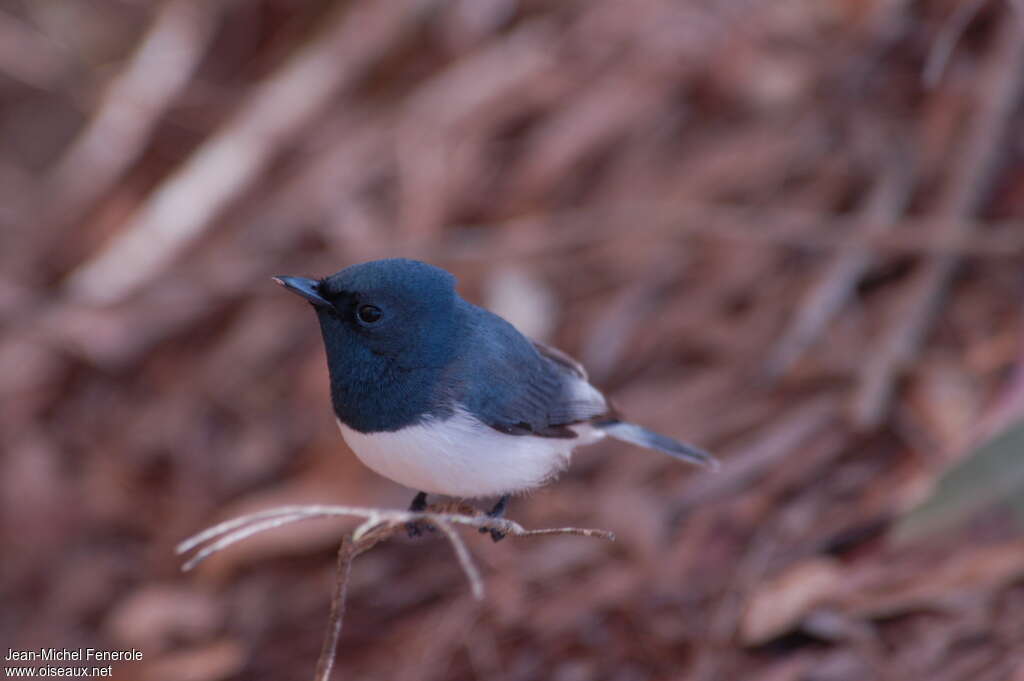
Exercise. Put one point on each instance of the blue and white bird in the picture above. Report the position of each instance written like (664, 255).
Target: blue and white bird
(447, 398)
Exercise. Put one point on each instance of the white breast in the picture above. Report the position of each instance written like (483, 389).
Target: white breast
(463, 457)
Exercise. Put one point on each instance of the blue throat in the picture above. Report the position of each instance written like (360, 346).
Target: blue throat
(375, 391)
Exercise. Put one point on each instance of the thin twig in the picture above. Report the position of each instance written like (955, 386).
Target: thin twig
(378, 525)
(476, 584)
(339, 598)
(237, 536)
(375, 516)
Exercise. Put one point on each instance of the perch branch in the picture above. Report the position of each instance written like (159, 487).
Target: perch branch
(378, 525)
(329, 650)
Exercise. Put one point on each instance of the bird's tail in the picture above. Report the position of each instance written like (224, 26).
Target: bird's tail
(638, 435)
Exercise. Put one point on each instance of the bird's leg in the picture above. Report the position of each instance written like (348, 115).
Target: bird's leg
(499, 508)
(497, 512)
(419, 503)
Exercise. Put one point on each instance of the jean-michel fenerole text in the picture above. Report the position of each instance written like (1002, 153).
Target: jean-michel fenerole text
(65, 654)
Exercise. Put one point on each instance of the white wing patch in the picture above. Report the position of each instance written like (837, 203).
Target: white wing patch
(463, 457)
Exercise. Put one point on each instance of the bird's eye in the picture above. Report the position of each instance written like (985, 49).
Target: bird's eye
(368, 314)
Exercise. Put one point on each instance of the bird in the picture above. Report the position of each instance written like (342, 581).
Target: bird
(447, 398)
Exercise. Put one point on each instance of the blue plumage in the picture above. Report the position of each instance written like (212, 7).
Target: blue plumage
(521, 391)
(387, 375)
(445, 396)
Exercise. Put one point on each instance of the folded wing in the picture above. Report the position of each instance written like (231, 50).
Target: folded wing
(529, 389)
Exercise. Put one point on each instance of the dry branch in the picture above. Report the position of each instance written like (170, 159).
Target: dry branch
(378, 525)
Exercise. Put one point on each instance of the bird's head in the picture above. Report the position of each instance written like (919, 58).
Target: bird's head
(396, 309)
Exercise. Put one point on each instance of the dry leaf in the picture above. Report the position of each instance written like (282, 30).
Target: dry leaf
(778, 605)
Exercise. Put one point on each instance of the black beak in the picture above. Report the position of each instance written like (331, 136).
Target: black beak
(307, 288)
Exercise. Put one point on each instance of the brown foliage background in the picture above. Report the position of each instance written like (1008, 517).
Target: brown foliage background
(788, 232)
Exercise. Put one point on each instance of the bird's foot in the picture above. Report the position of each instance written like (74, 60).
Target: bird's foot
(496, 535)
(416, 528)
(497, 512)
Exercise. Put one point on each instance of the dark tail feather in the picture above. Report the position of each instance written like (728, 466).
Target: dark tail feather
(638, 435)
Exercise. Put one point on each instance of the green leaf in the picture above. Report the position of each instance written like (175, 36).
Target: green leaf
(991, 475)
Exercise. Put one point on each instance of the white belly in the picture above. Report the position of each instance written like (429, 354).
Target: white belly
(462, 457)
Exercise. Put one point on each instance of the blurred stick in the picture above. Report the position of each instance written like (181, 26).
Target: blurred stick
(185, 205)
(949, 36)
(350, 150)
(609, 340)
(378, 525)
(770, 449)
(442, 132)
(823, 301)
(29, 56)
(784, 229)
(995, 103)
(160, 68)
(1008, 404)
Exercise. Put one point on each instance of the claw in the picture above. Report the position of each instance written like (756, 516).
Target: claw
(496, 512)
(415, 528)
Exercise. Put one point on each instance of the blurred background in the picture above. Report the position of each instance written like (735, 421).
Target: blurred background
(788, 232)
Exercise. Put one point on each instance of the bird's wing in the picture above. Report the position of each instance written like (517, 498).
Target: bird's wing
(559, 357)
(529, 388)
